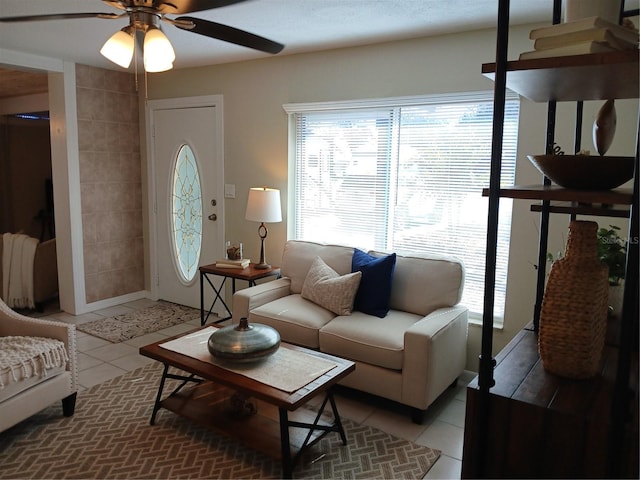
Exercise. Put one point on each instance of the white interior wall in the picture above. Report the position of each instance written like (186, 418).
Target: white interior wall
(256, 142)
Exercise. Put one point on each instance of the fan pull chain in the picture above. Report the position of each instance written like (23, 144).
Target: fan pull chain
(135, 58)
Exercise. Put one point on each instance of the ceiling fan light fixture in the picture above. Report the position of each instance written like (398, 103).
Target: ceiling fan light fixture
(158, 54)
(119, 48)
(144, 19)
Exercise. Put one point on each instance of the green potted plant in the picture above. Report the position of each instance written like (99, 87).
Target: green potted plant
(612, 250)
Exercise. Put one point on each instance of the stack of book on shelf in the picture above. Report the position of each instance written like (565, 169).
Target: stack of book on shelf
(226, 263)
(587, 35)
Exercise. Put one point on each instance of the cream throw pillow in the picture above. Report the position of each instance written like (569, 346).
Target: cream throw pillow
(326, 288)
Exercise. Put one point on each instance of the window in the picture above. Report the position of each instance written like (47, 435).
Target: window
(186, 214)
(404, 175)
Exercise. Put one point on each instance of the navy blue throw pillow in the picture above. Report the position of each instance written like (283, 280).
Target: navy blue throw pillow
(374, 292)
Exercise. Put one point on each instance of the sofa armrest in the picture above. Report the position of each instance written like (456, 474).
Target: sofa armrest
(249, 298)
(14, 324)
(45, 271)
(435, 354)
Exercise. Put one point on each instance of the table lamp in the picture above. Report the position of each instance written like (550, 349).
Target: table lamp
(263, 205)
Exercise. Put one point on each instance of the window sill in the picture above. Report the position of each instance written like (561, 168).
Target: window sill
(476, 320)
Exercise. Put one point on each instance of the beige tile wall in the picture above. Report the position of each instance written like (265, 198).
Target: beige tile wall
(110, 182)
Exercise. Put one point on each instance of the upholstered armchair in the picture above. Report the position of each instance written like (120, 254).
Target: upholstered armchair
(38, 366)
(45, 272)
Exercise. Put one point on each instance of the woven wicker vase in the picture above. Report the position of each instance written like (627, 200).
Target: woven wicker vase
(573, 319)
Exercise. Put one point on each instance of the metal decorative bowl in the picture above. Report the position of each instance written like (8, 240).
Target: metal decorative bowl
(584, 172)
(244, 342)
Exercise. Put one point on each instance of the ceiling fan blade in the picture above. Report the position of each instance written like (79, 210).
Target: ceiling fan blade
(119, 4)
(171, 6)
(230, 34)
(59, 16)
(188, 6)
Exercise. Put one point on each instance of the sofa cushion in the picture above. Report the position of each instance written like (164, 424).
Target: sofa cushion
(424, 282)
(366, 338)
(324, 287)
(299, 255)
(27, 361)
(375, 287)
(297, 320)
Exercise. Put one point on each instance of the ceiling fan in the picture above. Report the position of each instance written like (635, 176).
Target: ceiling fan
(144, 21)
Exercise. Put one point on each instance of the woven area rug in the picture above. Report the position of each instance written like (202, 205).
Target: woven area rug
(146, 320)
(110, 437)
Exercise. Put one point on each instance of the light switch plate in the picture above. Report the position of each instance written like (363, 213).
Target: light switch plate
(229, 190)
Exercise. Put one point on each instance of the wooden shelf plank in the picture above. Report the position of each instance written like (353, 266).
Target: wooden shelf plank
(596, 76)
(618, 196)
(519, 375)
(514, 368)
(584, 209)
(207, 405)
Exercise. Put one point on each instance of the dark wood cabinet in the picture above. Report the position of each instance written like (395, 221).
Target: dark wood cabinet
(522, 422)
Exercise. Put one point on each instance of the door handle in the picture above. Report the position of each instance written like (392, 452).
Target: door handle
(213, 217)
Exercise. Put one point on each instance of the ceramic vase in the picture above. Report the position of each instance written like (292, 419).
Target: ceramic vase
(573, 319)
(604, 127)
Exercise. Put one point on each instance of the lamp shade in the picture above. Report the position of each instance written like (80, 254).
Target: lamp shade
(263, 205)
(119, 48)
(158, 52)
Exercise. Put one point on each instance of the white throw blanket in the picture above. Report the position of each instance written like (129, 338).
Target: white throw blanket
(18, 253)
(26, 357)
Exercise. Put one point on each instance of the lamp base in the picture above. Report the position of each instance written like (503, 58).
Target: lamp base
(262, 264)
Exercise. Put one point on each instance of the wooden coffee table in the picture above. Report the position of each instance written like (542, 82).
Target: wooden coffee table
(279, 429)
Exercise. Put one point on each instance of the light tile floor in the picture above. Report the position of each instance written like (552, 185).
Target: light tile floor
(100, 360)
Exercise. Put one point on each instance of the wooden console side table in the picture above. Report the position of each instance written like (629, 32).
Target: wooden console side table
(545, 426)
(249, 274)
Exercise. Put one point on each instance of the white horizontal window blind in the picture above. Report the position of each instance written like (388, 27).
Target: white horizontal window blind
(405, 178)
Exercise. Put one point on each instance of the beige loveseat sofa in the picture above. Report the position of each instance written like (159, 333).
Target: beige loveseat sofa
(38, 366)
(410, 355)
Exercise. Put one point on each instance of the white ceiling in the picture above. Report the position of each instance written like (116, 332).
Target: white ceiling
(301, 25)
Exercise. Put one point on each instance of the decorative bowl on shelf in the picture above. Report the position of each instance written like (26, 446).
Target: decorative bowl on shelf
(584, 172)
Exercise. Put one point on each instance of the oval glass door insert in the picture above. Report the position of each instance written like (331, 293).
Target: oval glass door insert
(186, 214)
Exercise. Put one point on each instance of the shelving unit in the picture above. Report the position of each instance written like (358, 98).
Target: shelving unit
(522, 421)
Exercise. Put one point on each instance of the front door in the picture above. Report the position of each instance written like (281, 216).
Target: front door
(188, 165)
